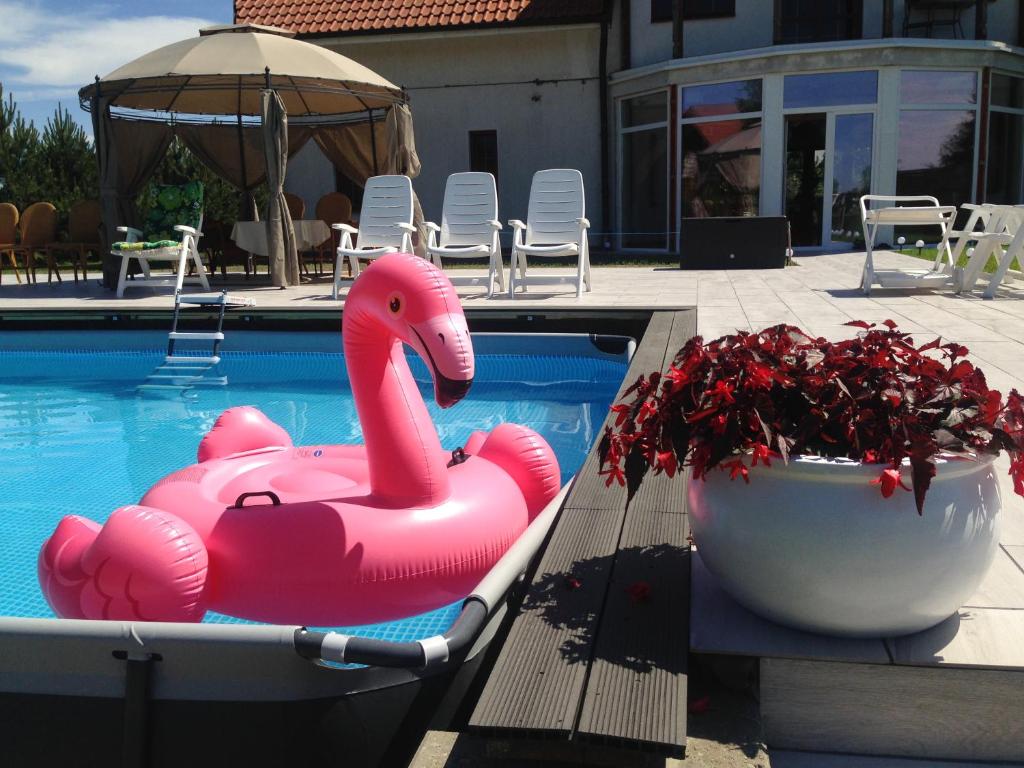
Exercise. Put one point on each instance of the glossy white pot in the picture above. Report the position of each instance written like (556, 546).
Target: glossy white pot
(815, 546)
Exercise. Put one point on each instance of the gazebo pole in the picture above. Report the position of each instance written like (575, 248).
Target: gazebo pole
(373, 142)
(241, 155)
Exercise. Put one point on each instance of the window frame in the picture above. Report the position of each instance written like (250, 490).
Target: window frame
(620, 166)
(1014, 111)
(855, 33)
(901, 107)
(681, 121)
(695, 15)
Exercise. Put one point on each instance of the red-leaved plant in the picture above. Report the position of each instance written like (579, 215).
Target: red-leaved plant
(747, 398)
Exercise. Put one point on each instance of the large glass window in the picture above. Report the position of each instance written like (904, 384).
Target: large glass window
(936, 154)
(931, 86)
(721, 143)
(722, 168)
(643, 189)
(1004, 183)
(722, 98)
(829, 89)
(810, 21)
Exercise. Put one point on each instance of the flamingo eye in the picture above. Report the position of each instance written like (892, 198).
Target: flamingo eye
(395, 305)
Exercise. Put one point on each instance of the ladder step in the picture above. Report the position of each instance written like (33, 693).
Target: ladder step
(174, 376)
(185, 359)
(178, 387)
(225, 299)
(199, 336)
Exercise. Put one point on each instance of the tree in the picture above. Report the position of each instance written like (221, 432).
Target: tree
(22, 175)
(69, 161)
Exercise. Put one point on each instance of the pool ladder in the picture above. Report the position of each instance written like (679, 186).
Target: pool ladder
(183, 372)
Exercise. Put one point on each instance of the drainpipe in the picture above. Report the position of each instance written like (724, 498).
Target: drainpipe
(887, 17)
(602, 73)
(981, 20)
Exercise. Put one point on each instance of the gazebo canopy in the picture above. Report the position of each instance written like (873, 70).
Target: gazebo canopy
(223, 70)
(230, 94)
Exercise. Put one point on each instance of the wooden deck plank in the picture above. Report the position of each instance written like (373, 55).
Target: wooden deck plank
(925, 712)
(718, 624)
(637, 686)
(649, 356)
(540, 672)
(538, 679)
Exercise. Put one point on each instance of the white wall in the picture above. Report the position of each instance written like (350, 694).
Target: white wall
(461, 82)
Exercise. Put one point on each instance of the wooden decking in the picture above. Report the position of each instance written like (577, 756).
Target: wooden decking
(598, 653)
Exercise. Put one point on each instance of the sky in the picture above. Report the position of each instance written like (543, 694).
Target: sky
(51, 48)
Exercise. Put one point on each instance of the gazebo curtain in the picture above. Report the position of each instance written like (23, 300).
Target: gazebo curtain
(130, 150)
(350, 150)
(283, 256)
(128, 154)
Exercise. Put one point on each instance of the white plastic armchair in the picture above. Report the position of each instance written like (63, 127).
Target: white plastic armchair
(385, 225)
(556, 226)
(469, 227)
(183, 254)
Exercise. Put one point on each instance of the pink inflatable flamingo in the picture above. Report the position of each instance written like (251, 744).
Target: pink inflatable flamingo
(322, 535)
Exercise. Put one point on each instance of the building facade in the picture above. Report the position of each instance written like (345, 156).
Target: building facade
(690, 108)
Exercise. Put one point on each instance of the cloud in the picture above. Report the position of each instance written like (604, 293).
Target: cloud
(46, 56)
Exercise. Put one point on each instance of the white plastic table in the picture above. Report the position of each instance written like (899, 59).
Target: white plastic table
(251, 236)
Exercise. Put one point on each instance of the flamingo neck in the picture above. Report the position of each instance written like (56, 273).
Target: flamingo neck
(408, 467)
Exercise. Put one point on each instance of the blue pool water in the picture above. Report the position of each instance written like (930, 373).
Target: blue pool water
(77, 438)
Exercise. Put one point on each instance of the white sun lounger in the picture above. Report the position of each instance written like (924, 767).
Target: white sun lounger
(1005, 242)
(929, 213)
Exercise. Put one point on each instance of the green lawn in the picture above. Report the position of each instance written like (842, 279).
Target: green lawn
(929, 255)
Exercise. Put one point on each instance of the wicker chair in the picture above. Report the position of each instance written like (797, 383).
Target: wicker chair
(84, 221)
(8, 236)
(38, 230)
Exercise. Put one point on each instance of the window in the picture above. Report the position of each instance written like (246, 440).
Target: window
(722, 98)
(483, 152)
(811, 21)
(932, 86)
(830, 89)
(643, 191)
(721, 143)
(661, 10)
(935, 153)
(1004, 184)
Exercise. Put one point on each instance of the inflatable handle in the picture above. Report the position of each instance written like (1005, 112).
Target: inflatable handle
(240, 501)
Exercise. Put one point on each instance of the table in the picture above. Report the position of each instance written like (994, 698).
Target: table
(251, 236)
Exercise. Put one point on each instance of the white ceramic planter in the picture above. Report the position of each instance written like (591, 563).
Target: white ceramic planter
(813, 545)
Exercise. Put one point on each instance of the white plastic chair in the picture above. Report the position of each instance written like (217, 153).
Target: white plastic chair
(556, 226)
(469, 227)
(929, 214)
(385, 224)
(1004, 239)
(187, 251)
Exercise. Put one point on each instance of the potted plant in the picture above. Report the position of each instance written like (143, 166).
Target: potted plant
(840, 487)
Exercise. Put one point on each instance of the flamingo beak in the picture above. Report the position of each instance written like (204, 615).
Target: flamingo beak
(443, 343)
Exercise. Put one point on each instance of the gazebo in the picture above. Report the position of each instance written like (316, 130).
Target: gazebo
(229, 95)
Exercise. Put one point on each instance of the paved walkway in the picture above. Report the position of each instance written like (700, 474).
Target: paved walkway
(819, 295)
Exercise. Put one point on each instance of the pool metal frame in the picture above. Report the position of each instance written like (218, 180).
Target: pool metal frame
(239, 663)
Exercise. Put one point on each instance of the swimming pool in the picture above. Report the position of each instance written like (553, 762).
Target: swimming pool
(78, 438)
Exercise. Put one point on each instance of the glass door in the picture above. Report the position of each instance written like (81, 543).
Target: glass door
(827, 151)
(805, 176)
(850, 173)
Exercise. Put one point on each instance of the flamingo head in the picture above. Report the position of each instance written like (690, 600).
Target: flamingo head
(412, 300)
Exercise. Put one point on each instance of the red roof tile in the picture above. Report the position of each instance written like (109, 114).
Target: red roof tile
(309, 17)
